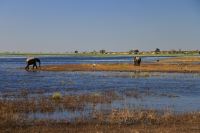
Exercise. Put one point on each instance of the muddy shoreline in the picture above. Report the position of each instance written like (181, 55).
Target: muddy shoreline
(175, 65)
(148, 67)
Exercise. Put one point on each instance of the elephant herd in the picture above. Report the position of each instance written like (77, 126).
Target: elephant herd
(33, 61)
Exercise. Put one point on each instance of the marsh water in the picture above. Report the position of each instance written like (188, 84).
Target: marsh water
(179, 92)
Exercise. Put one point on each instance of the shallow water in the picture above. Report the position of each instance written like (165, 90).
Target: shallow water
(174, 91)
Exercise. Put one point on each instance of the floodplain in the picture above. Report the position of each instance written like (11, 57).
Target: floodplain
(113, 96)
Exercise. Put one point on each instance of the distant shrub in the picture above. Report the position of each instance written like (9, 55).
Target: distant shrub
(135, 51)
(157, 51)
(102, 51)
(57, 96)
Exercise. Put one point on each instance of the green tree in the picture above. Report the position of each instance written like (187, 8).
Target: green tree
(157, 51)
(102, 51)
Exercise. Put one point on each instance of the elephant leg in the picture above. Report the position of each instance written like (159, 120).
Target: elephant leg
(135, 63)
(34, 65)
(27, 66)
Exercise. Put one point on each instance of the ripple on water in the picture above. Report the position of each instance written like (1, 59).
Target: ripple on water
(166, 90)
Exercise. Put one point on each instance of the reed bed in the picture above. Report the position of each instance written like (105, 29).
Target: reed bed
(14, 115)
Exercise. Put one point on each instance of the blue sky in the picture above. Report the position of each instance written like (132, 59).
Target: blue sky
(86, 25)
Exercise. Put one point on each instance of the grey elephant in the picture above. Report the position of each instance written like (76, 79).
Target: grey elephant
(32, 61)
(137, 60)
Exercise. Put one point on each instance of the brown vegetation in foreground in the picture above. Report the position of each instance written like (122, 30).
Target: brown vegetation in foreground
(49, 127)
(116, 121)
(27, 104)
(14, 116)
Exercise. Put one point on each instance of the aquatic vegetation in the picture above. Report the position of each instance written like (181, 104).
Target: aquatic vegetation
(16, 112)
(169, 95)
(57, 96)
(133, 93)
(11, 112)
(97, 101)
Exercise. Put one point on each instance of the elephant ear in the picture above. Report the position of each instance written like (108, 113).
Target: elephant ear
(29, 58)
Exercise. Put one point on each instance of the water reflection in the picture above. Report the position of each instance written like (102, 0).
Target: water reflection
(142, 90)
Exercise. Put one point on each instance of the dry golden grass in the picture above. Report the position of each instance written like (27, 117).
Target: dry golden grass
(124, 120)
(18, 102)
(181, 60)
(104, 128)
(150, 67)
(175, 64)
(119, 121)
(14, 117)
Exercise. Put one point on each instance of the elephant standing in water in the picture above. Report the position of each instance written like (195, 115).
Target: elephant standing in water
(137, 61)
(32, 61)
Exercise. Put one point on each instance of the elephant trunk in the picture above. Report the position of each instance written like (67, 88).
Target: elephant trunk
(39, 62)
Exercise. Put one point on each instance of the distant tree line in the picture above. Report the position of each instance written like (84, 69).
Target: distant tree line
(137, 52)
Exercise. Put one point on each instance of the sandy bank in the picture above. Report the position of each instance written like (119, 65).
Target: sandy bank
(153, 67)
(175, 64)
